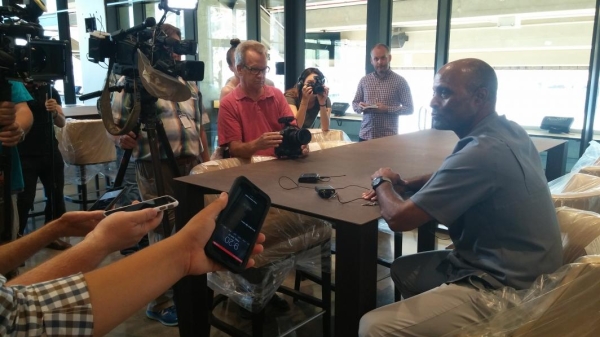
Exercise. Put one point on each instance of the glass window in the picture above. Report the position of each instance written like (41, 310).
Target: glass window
(541, 57)
(413, 56)
(335, 43)
(272, 35)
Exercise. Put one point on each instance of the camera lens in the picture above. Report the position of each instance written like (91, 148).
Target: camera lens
(303, 136)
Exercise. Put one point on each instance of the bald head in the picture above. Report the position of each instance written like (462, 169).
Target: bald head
(474, 74)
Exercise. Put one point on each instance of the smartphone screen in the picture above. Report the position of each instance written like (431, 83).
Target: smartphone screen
(164, 202)
(238, 225)
(106, 199)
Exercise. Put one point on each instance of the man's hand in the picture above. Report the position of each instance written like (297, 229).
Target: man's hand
(196, 234)
(381, 107)
(305, 150)
(400, 185)
(268, 140)
(127, 142)
(51, 105)
(78, 223)
(123, 229)
(11, 135)
(7, 113)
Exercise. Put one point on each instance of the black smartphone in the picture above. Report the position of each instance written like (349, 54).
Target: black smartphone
(309, 178)
(160, 204)
(238, 225)
(105, 201)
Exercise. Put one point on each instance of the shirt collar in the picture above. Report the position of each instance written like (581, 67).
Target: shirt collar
(239, 94)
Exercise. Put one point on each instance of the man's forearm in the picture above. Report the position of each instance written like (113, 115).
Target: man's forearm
(205, 155)
(13, 254)
(417, 183)
(242, 150)
(83, 257)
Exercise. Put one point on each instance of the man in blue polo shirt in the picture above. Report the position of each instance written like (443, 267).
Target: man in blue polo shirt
(15, 121)
(492, 194)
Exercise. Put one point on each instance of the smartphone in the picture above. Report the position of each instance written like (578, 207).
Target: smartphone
(238, 225)
(160, 204)
(105, 201)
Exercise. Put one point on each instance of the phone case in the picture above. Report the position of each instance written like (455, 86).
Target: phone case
(220, 256)
(172, 204)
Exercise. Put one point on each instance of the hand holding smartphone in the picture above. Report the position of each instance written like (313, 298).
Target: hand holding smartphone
(238, 225)
(160, 204)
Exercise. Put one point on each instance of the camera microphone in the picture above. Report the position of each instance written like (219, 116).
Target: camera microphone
(149, 22)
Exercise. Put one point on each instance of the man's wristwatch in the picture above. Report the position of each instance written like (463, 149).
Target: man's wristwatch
(380, 180)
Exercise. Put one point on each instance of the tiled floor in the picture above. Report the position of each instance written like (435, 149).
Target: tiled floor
(277, 322)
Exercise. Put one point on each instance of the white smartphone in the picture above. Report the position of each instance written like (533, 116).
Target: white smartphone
(372, 106)
(160, 204)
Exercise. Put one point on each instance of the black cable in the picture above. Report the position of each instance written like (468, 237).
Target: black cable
(293, 182)
(322, 178)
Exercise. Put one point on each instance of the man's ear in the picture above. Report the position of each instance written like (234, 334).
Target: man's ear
(482, 94)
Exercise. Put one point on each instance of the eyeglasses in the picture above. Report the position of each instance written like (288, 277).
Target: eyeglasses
(256, 71)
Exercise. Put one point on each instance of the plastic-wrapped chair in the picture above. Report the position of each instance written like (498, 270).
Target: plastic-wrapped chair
(83, 144)
(291, 239)
(318, 135)
(560, 304)
(581, 191)
(564, 304)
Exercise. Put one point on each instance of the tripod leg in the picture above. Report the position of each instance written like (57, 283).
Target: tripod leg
(156, 165)
(125, 161)
(164, 141)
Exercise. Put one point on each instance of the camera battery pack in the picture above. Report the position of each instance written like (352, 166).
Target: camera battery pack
(325, 191)
(312, 178)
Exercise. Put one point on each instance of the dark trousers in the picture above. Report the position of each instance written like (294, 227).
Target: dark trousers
(41, 166)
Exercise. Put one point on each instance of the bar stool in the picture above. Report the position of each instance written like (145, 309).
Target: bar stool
(82, 143)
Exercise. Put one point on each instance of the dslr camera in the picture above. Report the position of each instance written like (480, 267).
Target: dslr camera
(293, 139)
(317, 87)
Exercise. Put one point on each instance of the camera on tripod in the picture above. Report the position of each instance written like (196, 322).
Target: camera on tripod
(293, 139)
(317, 86)
(25, 53)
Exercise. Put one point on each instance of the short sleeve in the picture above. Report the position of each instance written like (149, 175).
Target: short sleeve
(19, 93)
(464, 179)
(230, 128)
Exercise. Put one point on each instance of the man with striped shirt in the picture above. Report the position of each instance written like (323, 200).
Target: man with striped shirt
(381, 96)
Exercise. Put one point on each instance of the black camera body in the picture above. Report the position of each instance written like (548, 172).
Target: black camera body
(317, 87)
(293, 139)
(40, 59)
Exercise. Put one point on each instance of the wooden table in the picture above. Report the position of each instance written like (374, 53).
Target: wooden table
(410, 155)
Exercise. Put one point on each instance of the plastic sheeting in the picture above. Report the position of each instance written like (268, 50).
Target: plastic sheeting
(581, 191)
(85, 142)
(291, 239)
(580, 231)
(564, 304)
(318, 135)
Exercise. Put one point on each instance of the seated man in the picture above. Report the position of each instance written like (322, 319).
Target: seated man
(248, 117)
(492, 194)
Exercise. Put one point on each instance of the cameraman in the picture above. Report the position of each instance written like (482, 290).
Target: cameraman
(183, 124)
(15, 121)
(305, 103)
(41, 158)
(248, 116)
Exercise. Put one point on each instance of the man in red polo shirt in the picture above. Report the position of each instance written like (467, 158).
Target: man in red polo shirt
(248, 117)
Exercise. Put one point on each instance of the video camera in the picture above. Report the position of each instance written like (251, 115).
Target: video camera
(35, 58)
(293, 139)
(122, 47)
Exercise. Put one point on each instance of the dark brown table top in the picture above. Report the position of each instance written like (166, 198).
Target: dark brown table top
(410, 155)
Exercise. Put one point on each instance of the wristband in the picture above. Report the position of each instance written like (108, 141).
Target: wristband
(325, 105)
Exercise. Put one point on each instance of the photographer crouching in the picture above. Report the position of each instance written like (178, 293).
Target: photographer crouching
(40, 158)
(15, 121)
(183, 123)
(310, 98)
(249, 116)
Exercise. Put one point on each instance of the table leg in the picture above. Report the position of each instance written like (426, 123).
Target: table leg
(556, 162)
(190, 293)
(426, 236)
(355, 275)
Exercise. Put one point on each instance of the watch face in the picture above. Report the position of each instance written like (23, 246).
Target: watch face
(376, 181)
